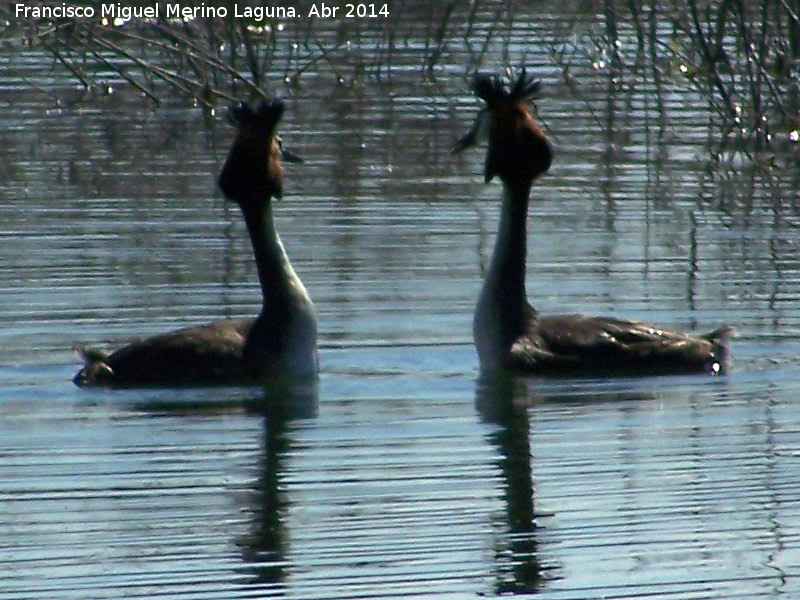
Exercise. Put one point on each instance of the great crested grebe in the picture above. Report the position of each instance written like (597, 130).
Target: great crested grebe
(509, 333)
(281, 341)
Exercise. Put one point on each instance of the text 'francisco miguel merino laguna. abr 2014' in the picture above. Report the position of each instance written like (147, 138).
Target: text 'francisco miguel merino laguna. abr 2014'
(115, 12)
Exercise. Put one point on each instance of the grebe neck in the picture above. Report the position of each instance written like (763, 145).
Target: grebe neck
(280, 285)
(506, 273)
(502, 311)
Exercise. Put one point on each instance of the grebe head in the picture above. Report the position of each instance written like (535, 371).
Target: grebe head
(518, 148)
(253, 172)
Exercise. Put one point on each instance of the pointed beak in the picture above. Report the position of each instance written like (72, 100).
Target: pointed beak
(290, 156)
(471, 137)
(287, 154)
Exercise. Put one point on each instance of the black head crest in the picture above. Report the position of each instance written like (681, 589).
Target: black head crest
(518, 149)
(509, 89)
(496, 91)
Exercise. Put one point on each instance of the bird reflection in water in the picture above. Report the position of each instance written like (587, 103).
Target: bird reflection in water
(265, 547)
(502, 400)
(507, 401)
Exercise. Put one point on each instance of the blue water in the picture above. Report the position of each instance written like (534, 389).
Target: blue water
(402, 474)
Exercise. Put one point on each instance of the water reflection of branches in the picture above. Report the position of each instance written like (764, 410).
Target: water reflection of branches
(214, 57)
(741, 59)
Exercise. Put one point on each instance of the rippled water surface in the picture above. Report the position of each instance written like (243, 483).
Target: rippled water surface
(402, 474)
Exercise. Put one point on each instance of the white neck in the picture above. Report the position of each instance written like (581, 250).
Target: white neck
(278, 280)
(284, 335)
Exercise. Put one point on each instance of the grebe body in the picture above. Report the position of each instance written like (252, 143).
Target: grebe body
(509, 333)
(281, 341)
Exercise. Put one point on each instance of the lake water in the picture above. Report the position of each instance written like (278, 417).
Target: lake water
(402, 474)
